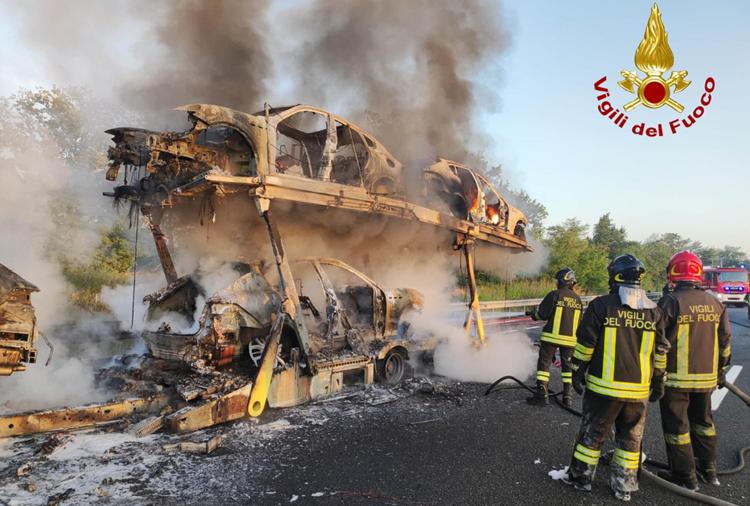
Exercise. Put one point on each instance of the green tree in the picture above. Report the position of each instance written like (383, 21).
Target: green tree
(67, 125)
(109, 266)
(568, 246)
(607, 235)
(728, 256)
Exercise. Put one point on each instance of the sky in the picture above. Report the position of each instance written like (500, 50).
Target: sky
(550, 137)
(558, 147)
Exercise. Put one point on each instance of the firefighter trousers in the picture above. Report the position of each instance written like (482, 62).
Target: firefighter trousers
(689, 432)
(547, 355)
(599, 414)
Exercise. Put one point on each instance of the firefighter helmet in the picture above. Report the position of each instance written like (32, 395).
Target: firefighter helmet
(625, 270)
(685, 266)
(566, 277)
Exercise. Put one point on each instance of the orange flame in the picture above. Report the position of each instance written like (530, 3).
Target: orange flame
(654, 56)
(493, 215)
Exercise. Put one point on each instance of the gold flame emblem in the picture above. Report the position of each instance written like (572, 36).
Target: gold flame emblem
(654, 57)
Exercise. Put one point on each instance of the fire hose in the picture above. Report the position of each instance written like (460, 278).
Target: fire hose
(696, 496)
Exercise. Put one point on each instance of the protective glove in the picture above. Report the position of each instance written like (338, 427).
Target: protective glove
(657, 388)
(579, 376)
(721, 380)
(579, 380)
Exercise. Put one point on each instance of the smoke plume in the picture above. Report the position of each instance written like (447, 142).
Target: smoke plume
(413, 73)
(407, 71)
(201, 52)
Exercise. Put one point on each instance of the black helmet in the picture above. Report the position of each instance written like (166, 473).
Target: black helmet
(625, 270)
(566, 277)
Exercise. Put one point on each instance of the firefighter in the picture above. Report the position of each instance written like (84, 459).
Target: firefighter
(562, 310)
(621, 344)
(697, 326)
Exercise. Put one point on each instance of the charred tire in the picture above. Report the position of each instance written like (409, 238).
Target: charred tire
(394, 367)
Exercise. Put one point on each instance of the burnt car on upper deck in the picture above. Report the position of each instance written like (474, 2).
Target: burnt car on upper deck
(306, 149)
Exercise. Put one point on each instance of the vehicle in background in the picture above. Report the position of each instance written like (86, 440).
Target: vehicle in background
(18, 330)
(730, 284)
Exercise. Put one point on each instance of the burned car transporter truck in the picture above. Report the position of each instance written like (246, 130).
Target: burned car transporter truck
(309, 156)
(300, 347)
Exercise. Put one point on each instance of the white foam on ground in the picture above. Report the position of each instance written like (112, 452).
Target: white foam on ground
(558, 474)
(92, 444)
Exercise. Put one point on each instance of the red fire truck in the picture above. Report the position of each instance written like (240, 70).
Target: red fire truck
(730, 284)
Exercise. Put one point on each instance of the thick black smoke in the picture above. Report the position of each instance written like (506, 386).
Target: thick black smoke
(202, 51)
(405, 70)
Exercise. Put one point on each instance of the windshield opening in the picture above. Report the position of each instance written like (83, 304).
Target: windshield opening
(736, 276)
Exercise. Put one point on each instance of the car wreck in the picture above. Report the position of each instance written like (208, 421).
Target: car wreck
(304, 154)
(284, 330)
(345, 314)
(310, 157)
(18, 329)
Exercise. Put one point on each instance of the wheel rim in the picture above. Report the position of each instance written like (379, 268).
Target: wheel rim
(394, 367)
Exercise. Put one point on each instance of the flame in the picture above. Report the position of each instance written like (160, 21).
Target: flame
(493, 215)
(654, 56)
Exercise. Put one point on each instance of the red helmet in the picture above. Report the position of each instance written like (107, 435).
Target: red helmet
(685, 266)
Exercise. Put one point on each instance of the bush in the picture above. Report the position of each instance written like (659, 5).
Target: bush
(109, 266)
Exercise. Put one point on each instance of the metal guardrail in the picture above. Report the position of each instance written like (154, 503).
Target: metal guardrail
(497, 305)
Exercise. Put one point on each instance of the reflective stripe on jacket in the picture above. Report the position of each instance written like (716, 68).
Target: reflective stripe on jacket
(562, 310)
(697, 326)
(622, 347)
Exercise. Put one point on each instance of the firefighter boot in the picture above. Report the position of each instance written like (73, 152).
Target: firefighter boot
(706, 472)
(540, 397)
(688, 483)
(567, 394)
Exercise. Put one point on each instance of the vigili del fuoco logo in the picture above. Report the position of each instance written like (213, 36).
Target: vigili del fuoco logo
(654, 58)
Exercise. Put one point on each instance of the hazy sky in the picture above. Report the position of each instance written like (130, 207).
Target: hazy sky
(557, 145)
(553, 141)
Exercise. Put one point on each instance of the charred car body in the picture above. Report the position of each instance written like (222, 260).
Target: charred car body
(348, 319)
(307, 155)
(18, 331)
(469, 196)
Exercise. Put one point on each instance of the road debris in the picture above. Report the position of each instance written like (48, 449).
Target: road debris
(192, 447)
(146, 426)
(56, 499)
(23, 470)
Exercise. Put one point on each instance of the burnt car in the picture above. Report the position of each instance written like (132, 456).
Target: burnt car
(18, 330)
(348, 321)
(307, 155)
(468, 195)
(300, 140)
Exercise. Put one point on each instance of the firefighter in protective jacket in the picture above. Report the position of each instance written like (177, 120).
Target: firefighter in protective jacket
(621, 346)
(562, 310)
(697, 326)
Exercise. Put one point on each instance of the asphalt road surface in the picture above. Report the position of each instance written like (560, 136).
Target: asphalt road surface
(428, 442)
(484, 450)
